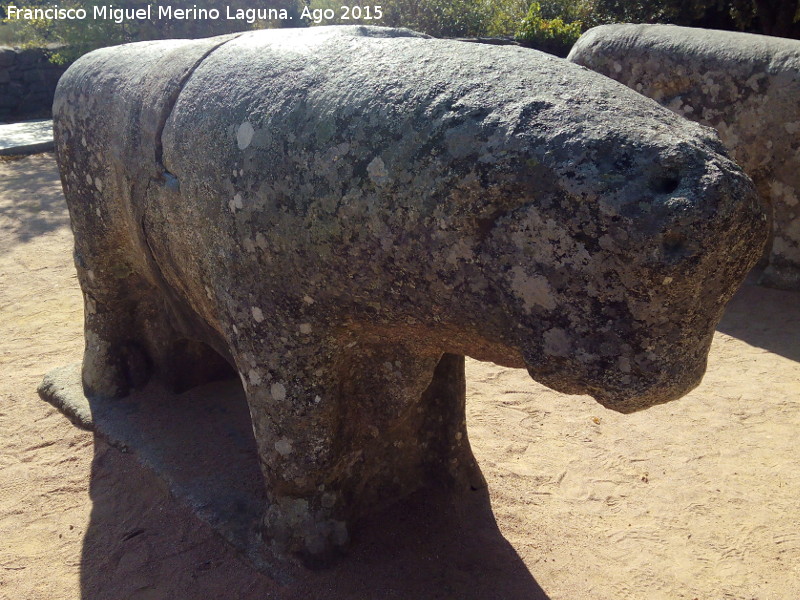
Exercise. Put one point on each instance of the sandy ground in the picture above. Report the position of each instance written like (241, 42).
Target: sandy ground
(697, 499)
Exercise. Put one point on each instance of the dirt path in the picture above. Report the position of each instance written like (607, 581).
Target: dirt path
(699, 498)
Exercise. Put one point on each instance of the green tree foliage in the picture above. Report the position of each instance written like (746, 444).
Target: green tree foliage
(550, 35)
(11, 34)
(446, 18)
(439, 18)
(771, 17)
(506, 17)
(550, 25)
(570, 11)
(80, 36)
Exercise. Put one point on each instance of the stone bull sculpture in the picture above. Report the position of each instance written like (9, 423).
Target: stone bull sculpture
(341, 214)
(746, 86)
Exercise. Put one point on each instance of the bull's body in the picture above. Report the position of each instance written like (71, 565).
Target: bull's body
(343, 213)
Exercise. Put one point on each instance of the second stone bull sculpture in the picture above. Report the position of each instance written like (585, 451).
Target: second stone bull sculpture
(341, 214)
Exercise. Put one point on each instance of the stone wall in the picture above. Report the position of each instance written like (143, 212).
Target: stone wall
(27, 83)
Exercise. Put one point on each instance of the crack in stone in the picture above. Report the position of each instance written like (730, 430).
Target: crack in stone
(172, 100)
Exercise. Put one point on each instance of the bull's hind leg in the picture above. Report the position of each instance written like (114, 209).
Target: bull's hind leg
(132, 330)
(105, 260)
(132, 333)
(114, 359)
(339, 440)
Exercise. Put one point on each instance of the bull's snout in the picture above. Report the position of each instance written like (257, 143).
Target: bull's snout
(628, 384)
(671, 385)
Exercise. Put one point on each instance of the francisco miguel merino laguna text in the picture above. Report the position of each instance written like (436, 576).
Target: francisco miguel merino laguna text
(119, 15)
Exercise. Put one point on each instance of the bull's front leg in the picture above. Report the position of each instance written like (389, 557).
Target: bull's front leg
(344, 433)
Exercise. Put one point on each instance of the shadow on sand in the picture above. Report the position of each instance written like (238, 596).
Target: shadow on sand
(31, 200)
(765, 318)
(141, 545)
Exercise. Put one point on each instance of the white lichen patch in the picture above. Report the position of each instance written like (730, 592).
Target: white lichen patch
(305, 328)
(556, 342)
(258, 316)
(254, 377)
(278, 391)
(236, 203)
(727, 134)
(283, 447)
(676, 105)
(792, 128)
(534, 290)
(308, 300)
(377, 171)
(98, 183)
(606, 242)
(782, 192)
(244, 135)
(460, 251)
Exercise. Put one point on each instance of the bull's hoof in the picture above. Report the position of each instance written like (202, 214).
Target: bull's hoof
(291, 526)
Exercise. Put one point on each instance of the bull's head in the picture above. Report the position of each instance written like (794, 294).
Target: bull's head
(619, 290)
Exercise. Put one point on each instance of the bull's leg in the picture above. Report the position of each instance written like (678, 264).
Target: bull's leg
(349, 437)
(114, 359)
(132, 332)
(107, 265)
(449, 455)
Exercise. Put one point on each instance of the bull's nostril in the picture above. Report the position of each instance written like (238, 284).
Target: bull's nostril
(666, 184)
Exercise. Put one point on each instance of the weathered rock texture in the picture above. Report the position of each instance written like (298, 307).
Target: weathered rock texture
(745, 86)
(342, 214)
(27, 82)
